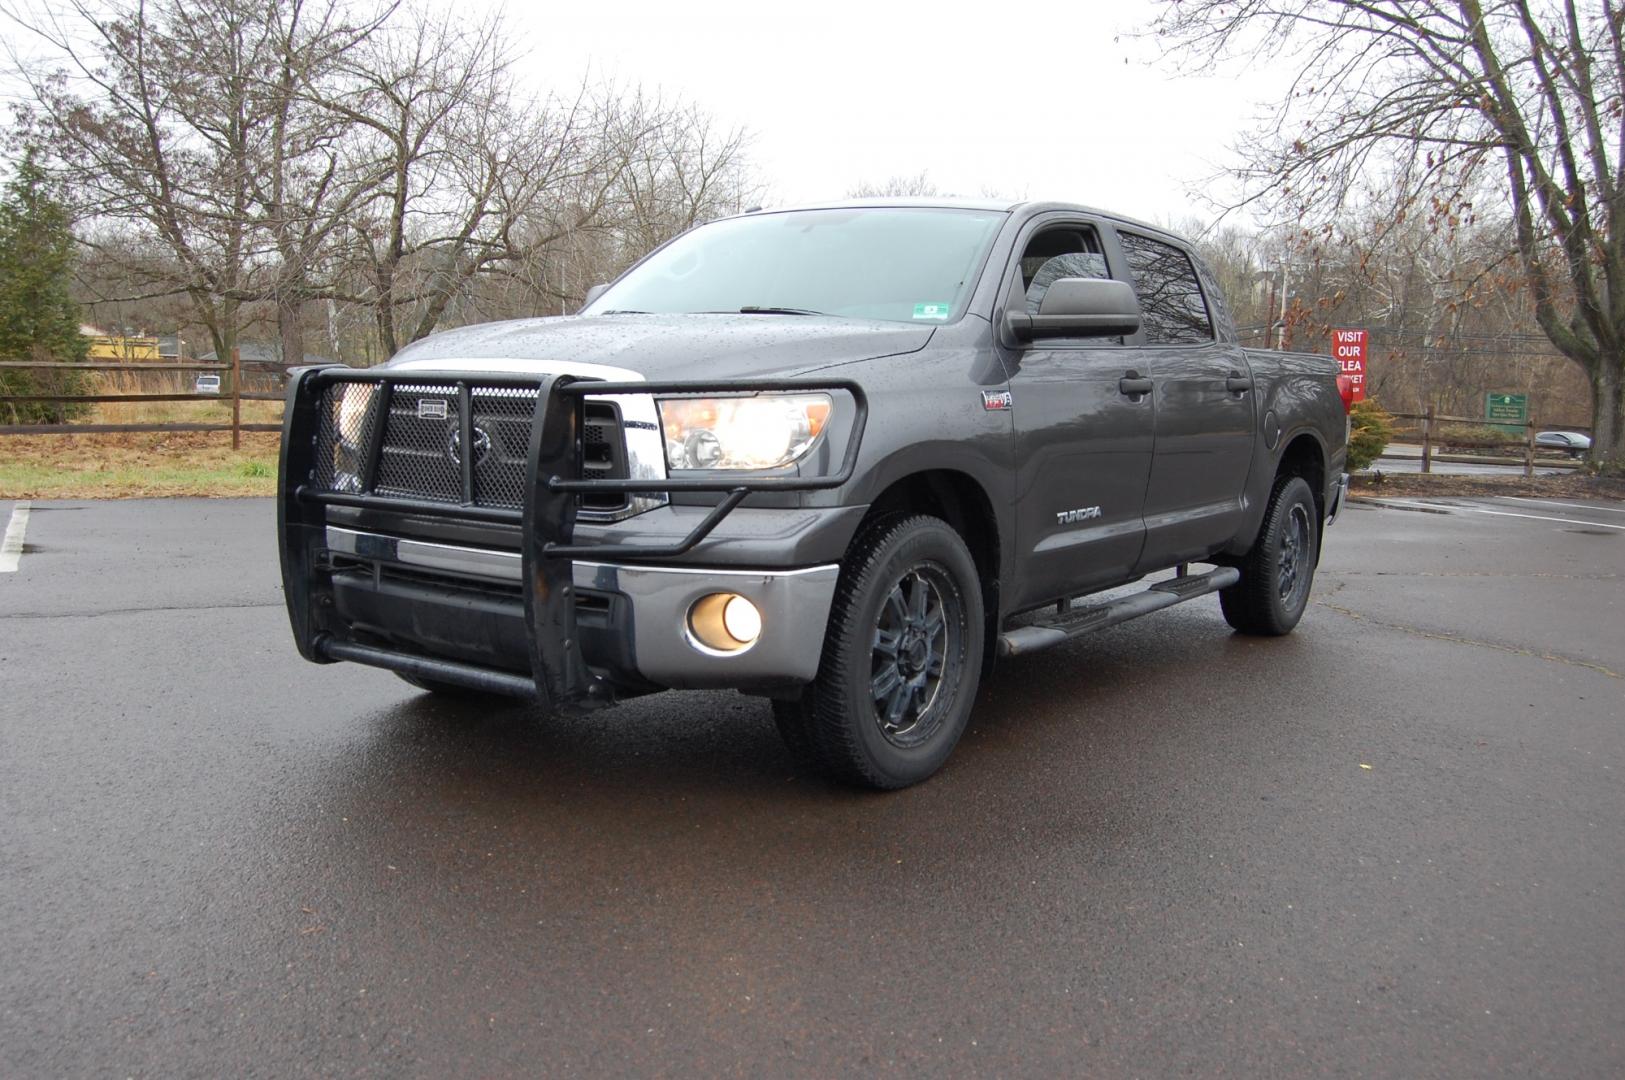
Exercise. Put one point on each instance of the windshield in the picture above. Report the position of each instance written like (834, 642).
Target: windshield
(904, 264)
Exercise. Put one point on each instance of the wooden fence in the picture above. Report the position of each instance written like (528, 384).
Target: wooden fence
(1433, 437)
(234, 394)
(1431, 421)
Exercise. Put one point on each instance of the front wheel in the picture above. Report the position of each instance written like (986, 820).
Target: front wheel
(902, 658)
(1278, 571)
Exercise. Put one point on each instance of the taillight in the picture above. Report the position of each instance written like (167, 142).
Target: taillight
(1345, 390)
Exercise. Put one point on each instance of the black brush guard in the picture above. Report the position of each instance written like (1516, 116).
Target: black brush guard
(560, 678)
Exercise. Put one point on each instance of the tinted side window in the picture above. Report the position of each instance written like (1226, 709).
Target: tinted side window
(1055, 253)
(1170, 297)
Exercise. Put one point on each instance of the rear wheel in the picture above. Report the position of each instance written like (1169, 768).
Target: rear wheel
(1279, 570)
(902, 658)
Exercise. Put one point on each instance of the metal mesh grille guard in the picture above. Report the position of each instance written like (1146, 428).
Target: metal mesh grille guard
(509, 449)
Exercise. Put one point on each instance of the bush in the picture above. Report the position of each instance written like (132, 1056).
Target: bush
(1452, 435)
(1370, 429)
(41, 382)
(38, 319)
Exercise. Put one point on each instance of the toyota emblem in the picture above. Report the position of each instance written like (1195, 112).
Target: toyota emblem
(482, 445)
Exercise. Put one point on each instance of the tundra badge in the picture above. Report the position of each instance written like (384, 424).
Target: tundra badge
(1067, 517)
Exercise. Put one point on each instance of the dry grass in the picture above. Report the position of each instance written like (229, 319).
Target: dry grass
(213, 411)
(145, 465)
(130, 466)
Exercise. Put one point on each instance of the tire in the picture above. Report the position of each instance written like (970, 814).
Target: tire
(1279, 570)
(907, 616)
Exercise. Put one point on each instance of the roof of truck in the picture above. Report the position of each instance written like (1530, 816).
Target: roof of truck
(1009, 206)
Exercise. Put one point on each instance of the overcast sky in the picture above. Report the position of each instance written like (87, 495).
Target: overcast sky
(1036, 99)
(1040, 99)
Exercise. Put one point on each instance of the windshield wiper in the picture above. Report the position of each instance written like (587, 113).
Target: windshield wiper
(752, 309)
(622, 311)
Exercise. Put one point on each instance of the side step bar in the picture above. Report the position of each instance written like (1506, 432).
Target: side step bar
(1084, 620)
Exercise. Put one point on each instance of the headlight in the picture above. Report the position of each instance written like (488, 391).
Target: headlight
(760, 432)
(354, 400)
(349, 421)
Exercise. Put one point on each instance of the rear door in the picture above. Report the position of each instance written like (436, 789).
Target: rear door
(1205, 410)
(1083, 443)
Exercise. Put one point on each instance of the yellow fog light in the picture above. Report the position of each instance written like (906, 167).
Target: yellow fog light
(725, 622)
(741, 619)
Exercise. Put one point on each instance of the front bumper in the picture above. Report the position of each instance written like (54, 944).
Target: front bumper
(464, 603)
(570, 644)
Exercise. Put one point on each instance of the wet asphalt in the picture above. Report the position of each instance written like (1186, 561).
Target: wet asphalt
(1392, 844)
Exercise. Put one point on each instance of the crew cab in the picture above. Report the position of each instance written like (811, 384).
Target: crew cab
(842, 457)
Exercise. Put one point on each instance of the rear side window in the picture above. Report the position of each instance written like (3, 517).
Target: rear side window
(1171, 302)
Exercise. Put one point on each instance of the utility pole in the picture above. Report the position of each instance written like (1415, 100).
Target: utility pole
(1280, 339)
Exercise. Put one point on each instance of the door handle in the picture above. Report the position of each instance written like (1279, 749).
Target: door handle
(1238, 383)
(1132, 385)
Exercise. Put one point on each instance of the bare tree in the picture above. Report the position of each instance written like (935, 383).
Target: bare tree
(194, 123)
(109, 121)
(681, 169)
(1450, 110)
(430, 100)
(917, 185)
(311, 174)
(261, 157)
(657, 168)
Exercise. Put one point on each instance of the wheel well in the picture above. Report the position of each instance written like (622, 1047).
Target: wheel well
(958, 499)
(1303, 458)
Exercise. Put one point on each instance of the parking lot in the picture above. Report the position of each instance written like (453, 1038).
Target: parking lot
(1390, 844)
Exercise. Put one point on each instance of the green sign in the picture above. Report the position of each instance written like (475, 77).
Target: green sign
(1509, 411)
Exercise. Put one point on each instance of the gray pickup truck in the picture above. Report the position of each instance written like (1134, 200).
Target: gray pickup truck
(841, 457)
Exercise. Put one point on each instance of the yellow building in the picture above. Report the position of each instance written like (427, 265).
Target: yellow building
(128, 349)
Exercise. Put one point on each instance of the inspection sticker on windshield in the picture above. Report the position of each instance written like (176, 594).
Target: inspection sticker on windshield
(931, 311)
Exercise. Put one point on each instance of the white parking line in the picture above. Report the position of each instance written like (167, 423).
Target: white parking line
(11, 548)
(1441, 507)
(1550, 502)
(1542, 517)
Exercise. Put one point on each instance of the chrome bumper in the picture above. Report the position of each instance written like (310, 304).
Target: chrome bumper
(794, 605)
(1340, 496)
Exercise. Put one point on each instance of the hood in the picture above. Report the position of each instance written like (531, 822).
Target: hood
(664, 347)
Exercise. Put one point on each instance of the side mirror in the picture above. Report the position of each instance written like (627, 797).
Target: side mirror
(595, 292)
(1080, 307)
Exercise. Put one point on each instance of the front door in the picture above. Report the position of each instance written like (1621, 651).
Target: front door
(1084, 427)
(1083, 450)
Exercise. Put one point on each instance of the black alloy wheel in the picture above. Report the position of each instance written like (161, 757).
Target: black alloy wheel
(913, 639)
(902, 659)
(1278, 571)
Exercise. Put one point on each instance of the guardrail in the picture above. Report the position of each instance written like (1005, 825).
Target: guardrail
(235, 395)
(1431, 421)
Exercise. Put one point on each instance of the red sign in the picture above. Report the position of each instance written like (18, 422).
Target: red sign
(1348, 349)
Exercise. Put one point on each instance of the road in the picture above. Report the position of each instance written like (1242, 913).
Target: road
(1390, 844)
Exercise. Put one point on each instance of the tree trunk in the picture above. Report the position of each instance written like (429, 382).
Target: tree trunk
(1608, 415)
(383, 308)
(290, 325)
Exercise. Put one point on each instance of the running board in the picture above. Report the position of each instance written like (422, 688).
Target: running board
(1041, 635)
